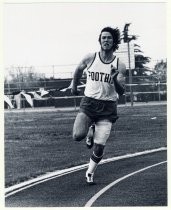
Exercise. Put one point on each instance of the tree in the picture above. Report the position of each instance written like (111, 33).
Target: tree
(161, 70)
(141, 60)
(161, 66)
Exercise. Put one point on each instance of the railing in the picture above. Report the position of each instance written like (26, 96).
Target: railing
(142, 91)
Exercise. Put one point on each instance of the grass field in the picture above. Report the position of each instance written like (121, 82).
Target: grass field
(40, 142)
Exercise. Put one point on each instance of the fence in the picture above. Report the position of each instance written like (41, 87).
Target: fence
(147, 88)
(144, 89)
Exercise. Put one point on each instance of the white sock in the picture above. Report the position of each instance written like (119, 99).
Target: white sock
(92, 166)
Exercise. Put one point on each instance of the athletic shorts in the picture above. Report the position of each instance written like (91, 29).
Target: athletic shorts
(98, 109)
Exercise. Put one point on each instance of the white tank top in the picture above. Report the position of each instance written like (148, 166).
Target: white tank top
(99, 84)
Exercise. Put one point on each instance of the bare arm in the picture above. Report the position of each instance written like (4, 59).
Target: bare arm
(79, 71)
(119, 78)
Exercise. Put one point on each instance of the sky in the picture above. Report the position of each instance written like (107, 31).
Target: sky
(61, 34)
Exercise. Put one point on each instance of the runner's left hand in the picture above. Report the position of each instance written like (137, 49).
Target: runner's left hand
(114, 72)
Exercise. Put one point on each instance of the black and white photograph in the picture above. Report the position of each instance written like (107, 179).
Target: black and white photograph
(85, 104)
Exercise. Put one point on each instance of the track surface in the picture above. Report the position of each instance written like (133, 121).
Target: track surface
(147, 188)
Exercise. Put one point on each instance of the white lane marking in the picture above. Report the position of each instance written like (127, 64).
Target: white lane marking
(97, 195)
(52, 175)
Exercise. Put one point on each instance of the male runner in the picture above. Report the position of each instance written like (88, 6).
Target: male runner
(105, 79)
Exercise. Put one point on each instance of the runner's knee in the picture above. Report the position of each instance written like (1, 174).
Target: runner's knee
(78, 135)
(97, 153)
(81, 126)
(98, 150)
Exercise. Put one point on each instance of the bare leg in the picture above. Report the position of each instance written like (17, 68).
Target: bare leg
(81, 126)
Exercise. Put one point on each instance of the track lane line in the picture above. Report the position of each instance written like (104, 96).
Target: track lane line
(52, 175)
(103, 190)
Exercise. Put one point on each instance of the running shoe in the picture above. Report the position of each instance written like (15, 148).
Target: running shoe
(89, 178)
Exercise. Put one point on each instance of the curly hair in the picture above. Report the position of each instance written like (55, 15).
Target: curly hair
(115, 34)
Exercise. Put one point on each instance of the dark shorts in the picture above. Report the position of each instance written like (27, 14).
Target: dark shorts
(99, 109)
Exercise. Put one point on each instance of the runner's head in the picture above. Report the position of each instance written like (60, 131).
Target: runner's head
(109, 38)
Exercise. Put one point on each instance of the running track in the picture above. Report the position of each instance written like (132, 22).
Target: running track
(139, 180)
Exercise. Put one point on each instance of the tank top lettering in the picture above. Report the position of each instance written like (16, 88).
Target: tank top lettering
(99, 84)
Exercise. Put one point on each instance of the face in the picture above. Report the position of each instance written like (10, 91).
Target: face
(106, 41)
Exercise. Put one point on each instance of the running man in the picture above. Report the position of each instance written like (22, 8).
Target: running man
(98, 108)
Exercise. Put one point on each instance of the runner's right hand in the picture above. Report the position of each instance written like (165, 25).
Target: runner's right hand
(74, 92)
